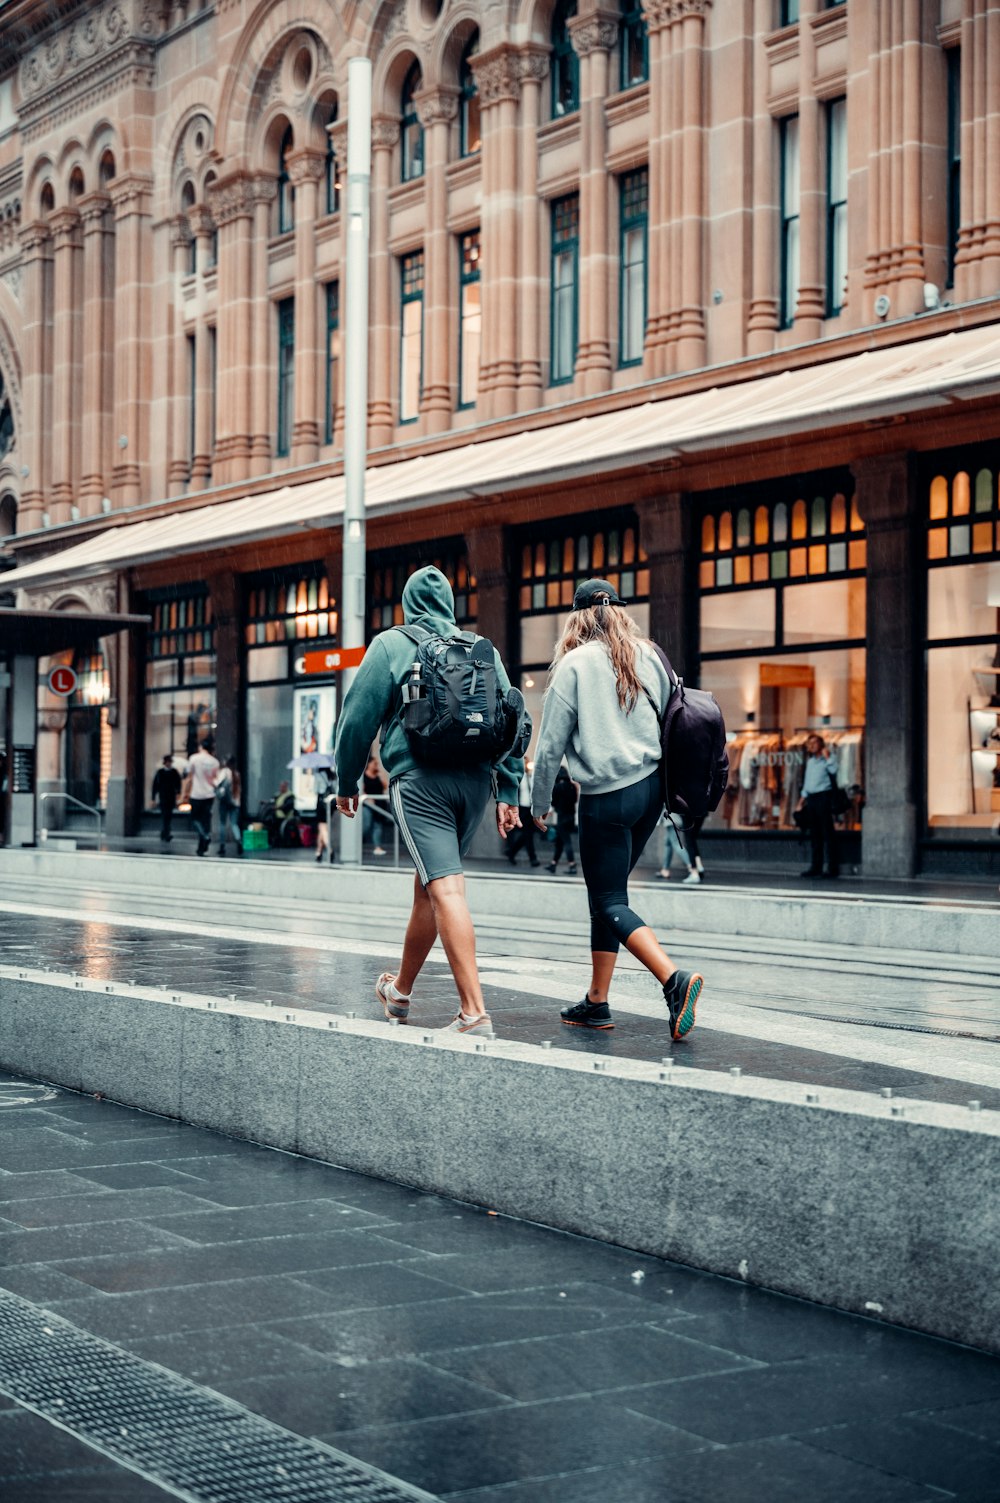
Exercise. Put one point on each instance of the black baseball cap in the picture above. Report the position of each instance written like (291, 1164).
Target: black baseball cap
(595, 592)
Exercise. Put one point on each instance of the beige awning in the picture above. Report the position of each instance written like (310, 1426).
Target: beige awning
(920, 376)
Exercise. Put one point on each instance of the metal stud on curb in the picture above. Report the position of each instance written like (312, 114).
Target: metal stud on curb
(352, 1014)
(233, 997)
(897, 1109)
(735, 1071)
(886, 1092)
(545, 1044)
(599, 1064)
(332, 1023)
(480, 1048)
(666, 1075)
(268, 1002)
(393, 1022)
(428, 1038)
(289, 1017)
(975, 1106)
(812, 1098)
(78, 985)
(109, 988)
(211, 1005)
(177, 997)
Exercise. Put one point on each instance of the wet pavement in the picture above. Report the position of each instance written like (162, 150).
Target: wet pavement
(473, 1356)
(865, 1023)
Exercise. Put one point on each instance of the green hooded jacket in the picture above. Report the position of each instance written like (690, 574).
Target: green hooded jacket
(373, 701)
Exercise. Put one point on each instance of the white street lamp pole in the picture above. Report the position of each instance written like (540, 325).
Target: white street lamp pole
(359, 171)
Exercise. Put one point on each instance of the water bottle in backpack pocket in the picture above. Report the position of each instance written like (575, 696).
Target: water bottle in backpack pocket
(453, 710)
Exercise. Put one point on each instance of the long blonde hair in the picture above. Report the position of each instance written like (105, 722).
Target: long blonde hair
(615, 629)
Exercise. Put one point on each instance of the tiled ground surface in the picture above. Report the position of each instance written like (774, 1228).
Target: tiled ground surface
(477, 1357)
(337, 981)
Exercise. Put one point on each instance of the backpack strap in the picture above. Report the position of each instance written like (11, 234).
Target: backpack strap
(416, 634)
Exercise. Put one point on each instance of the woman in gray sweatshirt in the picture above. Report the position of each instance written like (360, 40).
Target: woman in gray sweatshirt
(607, 691)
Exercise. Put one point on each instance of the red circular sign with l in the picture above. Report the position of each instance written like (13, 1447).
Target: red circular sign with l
(62, 680)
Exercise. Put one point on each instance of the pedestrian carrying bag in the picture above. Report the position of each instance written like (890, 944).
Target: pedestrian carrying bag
(694, 761)
(454, 712)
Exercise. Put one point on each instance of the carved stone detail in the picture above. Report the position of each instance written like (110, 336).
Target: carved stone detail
(661, 13)
(593, 34)
(65, 227)
(12, 280)
(533, 64)
(385, 133)
(201, 221)
(437, 105)
(99, 31)
(134, 189)
(497, 75)
(231, 198)
(306, 165)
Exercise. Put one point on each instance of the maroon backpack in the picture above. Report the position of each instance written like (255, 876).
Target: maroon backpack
(695, 762)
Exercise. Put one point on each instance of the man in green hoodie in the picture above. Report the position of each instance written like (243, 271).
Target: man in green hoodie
(438, 810)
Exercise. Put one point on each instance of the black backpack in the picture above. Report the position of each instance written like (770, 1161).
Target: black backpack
(695, 763)
(454, 712)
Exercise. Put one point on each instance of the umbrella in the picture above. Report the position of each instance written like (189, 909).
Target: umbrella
(314, 760)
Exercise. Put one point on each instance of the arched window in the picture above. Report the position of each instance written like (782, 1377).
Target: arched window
(8, 515)
(634, 45)
(565, 63)
(48, 199)
(330, 168)
(106, 170)
(470, 135)
(6, 422)
(187, 204)
(286, 193)
(413, 131)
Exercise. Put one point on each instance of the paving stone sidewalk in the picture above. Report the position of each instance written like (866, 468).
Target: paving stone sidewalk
(473, 1356)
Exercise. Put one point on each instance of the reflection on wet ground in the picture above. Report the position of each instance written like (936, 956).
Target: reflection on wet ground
(296, 975)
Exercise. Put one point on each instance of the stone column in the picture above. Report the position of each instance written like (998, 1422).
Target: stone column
(203, 226)
(179, 463)
(532, 69)
(224, 592)
(385, 136)
(810, 307)
(437, 109)
(94, 212)
(657, 288)
(65, 226)
(338, 134)
(762, 322)
(497, 75)
(690, 331)
(594, 35)
(35, 243)
(232, 207)
(133, 270)
(666, 532)
(263, 193)
(486, 548)
(306, 167)
(886, 496)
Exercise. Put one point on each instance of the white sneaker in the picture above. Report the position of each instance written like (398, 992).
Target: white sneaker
(663, 872)
(692, 878)
(378, 851)
(482, 1026)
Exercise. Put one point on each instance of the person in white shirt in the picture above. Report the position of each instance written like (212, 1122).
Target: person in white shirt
(818, 786)
(203, 770)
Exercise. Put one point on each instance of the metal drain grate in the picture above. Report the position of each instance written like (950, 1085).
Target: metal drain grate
(200, 1444)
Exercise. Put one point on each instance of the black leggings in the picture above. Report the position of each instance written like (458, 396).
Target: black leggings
(614, 828)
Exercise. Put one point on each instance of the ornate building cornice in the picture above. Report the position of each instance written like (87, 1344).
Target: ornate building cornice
(130, 194)
(65, 227)
(201, 220)
(661, 13)
(34, 237)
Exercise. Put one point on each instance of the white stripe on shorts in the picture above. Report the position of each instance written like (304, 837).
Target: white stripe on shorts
(396, 800)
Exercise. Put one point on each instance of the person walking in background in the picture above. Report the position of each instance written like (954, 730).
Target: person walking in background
(228, 797)
(202, 771)
(166, 792)
(323, 791)
(606, 694)
(524, 835)
(373, 813)
(682, 843)
(564, 797)
(437, 809)
(818, 784)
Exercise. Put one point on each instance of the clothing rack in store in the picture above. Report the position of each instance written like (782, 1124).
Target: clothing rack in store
(826, 730)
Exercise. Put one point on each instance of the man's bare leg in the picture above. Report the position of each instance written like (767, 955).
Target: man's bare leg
(454, 924)
(421, 932)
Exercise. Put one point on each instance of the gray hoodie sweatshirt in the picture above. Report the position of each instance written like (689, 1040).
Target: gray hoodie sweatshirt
(583, 721)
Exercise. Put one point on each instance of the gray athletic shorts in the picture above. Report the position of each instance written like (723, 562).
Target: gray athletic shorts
(438, 812)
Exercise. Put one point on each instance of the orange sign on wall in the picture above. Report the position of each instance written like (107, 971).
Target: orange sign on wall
(332, 662)
(787, 676)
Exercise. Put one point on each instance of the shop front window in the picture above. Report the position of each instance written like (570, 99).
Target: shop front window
(963, 650)
(550, 566)
(88, 730)
(782, 610)
(180, 675)
(290, 711)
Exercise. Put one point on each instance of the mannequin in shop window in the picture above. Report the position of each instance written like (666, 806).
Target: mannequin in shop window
(819, 791)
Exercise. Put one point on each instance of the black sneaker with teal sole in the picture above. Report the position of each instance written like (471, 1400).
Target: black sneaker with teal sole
(681, 995)
(588, 1015)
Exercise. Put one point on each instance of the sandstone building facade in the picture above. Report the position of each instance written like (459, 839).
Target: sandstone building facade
(698, 294)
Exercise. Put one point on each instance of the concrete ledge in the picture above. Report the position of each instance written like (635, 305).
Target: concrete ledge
(877, 1207)
(921, 925)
